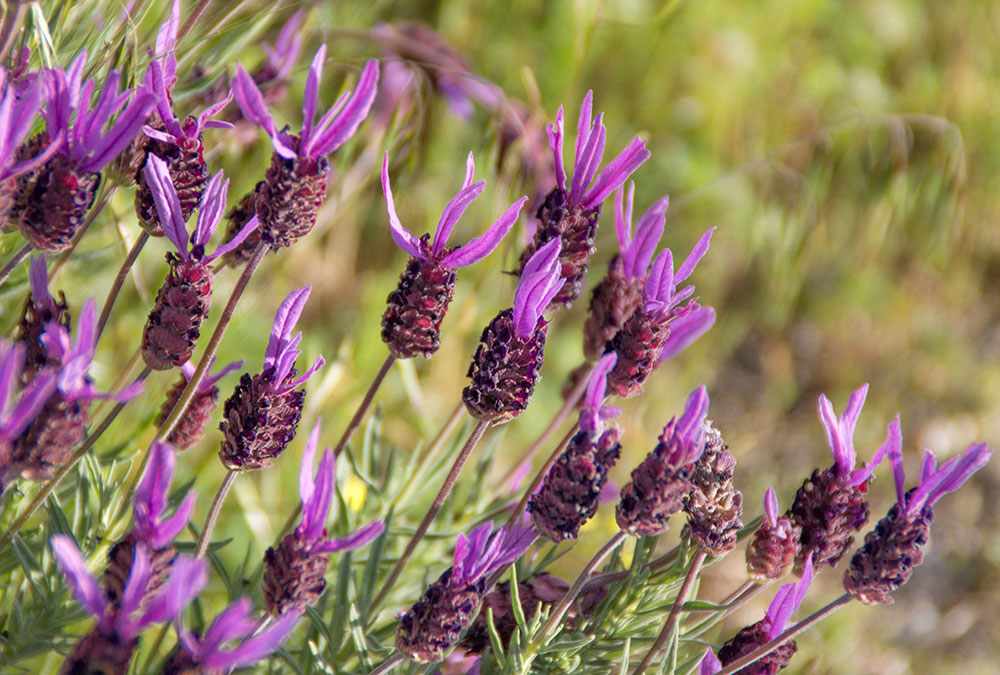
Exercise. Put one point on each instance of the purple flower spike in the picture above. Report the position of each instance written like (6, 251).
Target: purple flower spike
(540, 281)
(710, 663)
(637, 251)
(786, 602)
(17, 412)
(484, 551)
(151, 500)
(594, 413)
(282, 349)
(470, 253)
(840, 437)
(233, 623)
(686, 329)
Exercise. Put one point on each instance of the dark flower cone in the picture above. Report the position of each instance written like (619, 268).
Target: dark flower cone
(8, 193)
(188, 172)
(34, 321)
(411, 325)
(638, 345)
(99, 654)
(577, 227)
(49, 440)
(434, 624)
(293, 577)
(612, 303)
(258, 422)
(181, 663)
(769, 555)
(290, 197)
(543, 589)
(239, 216)
(504, 370)
(656, 492)
(829, 513)
(888, 556)
(569, 495)
(119, 567)
(748, 640)
(181, 305)
(52, 201)
(191, 426)
(715, 506)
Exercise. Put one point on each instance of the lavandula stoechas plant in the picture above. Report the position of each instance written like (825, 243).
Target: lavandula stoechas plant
(832, 504)
(571, 491)
(53, 199)
(775, 543)
(109, 646)
(506, 365)
(714, 506)
(290, 195)
(294, 569)
(182, 304)
(40, 309)
(411, 325)
(891, 551)
(570, 212)
(18, 410)
(191, 425)
(434, 624)
(648, 331)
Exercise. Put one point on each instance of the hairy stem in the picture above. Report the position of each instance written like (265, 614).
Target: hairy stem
(213, 513)
(116, 285)
(789, 634)
(442, 495)
(50, 487)
(12, 264)
(366, 402)
(388, 665)
(671, 623)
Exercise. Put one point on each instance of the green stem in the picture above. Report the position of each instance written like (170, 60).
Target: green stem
(14, 262)
(388, 665)
(213, 513)
(116, 285)
(366, 402)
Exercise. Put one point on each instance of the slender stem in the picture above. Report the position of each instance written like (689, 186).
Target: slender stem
(442, 495)
(789, 634)
(213, 344)
(577, 586)
(14, 262)
(154, 648)
(540, 476)
(388, 665)
(11, 24)
(359, 414)
(556, 422)
(194, 15)
(664, 560)
(735, 600)
(213, 513)
(671, 624)
(116, 285)
(50, 487)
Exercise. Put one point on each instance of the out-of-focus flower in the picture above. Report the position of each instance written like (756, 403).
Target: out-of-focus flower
(775, 543)
(191, 426)
(17, 114)
(714, 506)
(18, 411)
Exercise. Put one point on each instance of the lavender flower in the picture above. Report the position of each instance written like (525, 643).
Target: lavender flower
(191, 426)
(714, 506)
(17, 114)
(49, 440)
(179, 143)
(109, 646)
(895, 546)
(411, 325)
(775, 544)
(434, 624)
(186, 294)
(507, 362)
(570, 213)
(785, 603)
(54, 198)
(293, 572)
(262, 415)
(661, 483)
(17, 411)
(293, 189)
(151, 532)
(40, 310)
(619, 294)
(272, 76)
(831, 505)
(647, 332)
(571, 492)
(207, 655)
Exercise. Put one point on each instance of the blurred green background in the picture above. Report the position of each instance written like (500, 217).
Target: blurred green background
(849, 154)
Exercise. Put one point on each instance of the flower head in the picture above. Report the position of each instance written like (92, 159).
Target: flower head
(332, 130)
(282, 347)
(484, 551)
(540, 281)
(470, 253)
(18, 411)
(840, 437)
(68, 113)
(594, 412)
(213, 205)
(660, 292)
(234, 623)
(588, 188)
(637, 250)
(151, 500)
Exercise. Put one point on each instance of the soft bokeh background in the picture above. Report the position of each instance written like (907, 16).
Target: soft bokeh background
(849, 154)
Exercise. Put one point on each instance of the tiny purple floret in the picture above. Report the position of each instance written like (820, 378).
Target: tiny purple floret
(684, 439)
(282, 347)
(840, 437)
(484, 551)
(660, 291)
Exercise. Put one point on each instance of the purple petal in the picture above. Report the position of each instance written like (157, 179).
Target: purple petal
(203, 119)
(306, 481)
(556, 132)
(251, 102)
(954, 476)
(480, 247)
(467, 551)
(697, 253)
(326, 140)
(771, 507)
(356, 539)
(588, 160)
(616, 173)
(583, 127)
(158, 135)
(640, 251)
(124, 131)
(168, 529)
(151, 494)
(659, 286)
(231, 623)
(38, 276)
(213, 204)
(710, 663)
(689, 427)
(255, 648)
(787, 601)
(540, 281)
(240, 237)
(188, 577)
(85, 588)
(166, 37)
(685, 330)
(317, 364)
(31, 401)
(623, 217)
(515, 541)
(311, 94)
(590, 417)
(893, 441)
(456, 207)
(168, 205)
(314, 513)
(841, 456)
(400, 234)
(134, 591)
(284, 323)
